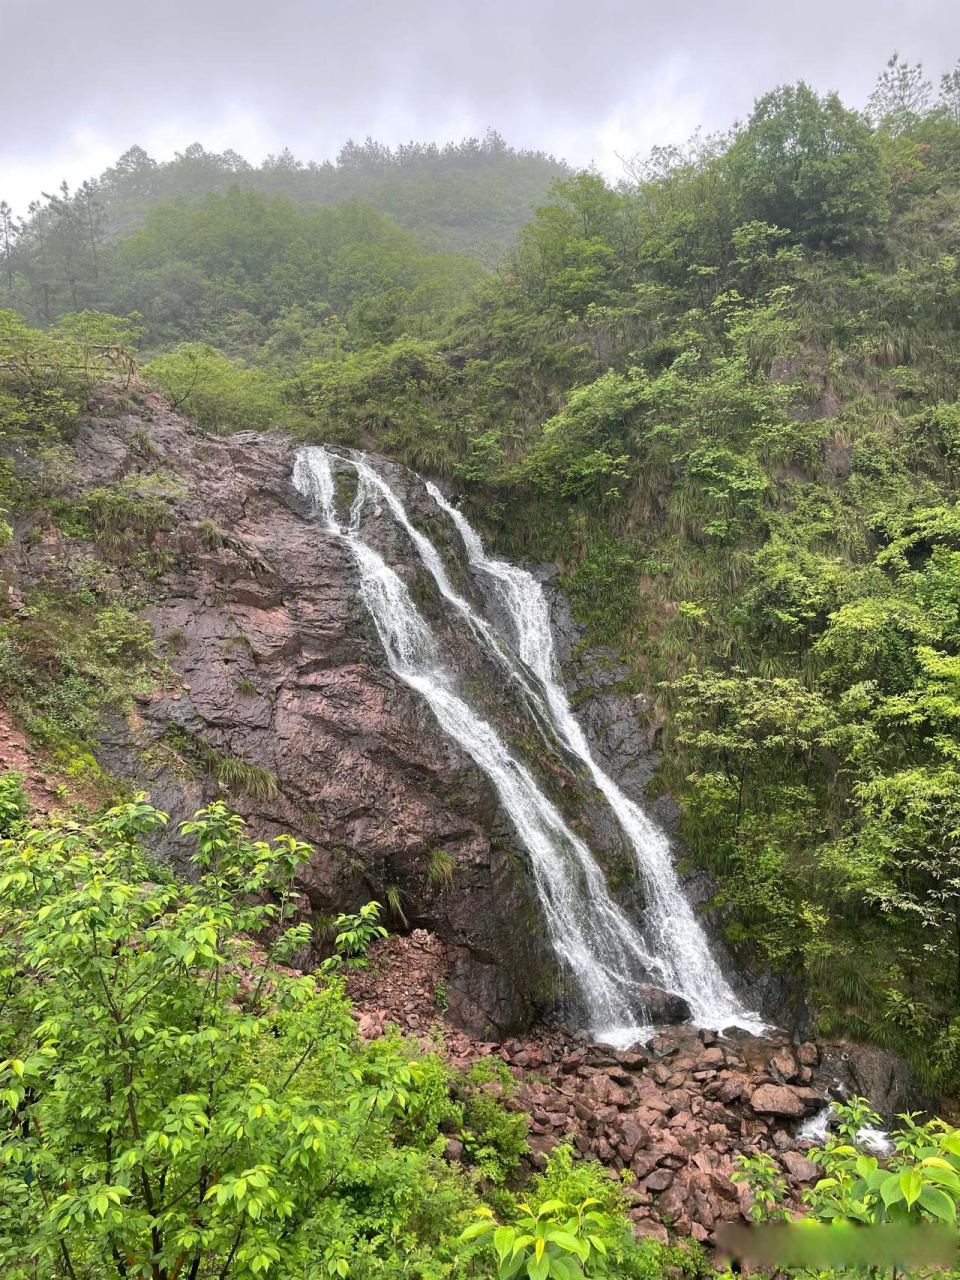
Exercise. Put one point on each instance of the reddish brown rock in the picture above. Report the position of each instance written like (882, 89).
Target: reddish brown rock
(632, 1060)
(722, 1185)
(728, 1090)
(643, 1164)
(647, 1230)
(813, 1100)
(632, 1135)
(798, 1167)
(671, 1203)
(808, 1055)
(777, 1100)
(783, 1066)
(659, 1180)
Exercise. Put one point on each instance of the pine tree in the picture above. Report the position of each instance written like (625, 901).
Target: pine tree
(901, 92)
(7, 235)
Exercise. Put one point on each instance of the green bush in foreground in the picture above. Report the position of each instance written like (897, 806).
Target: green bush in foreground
(176, 1105)
(171, 1103)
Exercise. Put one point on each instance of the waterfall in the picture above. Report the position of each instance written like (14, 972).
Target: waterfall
(684, 963)
(485, 634)
(605, 952)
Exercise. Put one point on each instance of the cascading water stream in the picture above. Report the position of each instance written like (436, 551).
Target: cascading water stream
(483, 632)
(589, 931)
(684, 962)
(605, 951)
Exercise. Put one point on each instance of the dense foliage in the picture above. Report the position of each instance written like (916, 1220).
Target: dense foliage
(471, 197)
(174, 1102)
(722, 396)
(918, 1183)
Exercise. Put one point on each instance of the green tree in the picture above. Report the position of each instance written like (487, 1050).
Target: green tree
(7, 236)
(901, 94)
(949, 100)
(174, 1104)
(811, 166)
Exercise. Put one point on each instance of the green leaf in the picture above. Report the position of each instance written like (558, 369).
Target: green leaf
(937, 1202)
(503, 1239)
(565, 1240)
(911, 1185)
(552, 1206)
(476, 1229)
(538, 1269)
(565, 1269)
(891, 1190)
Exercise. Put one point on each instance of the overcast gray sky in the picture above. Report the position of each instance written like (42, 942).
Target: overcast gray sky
(583, 78)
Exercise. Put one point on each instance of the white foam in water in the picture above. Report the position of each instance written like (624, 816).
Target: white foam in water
(816, 1129)
(605, 951)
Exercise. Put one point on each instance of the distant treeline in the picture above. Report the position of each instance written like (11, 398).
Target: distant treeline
(471, 196)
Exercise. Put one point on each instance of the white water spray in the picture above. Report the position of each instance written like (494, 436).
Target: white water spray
(606, 953)
(684, 963)
(817, 1129)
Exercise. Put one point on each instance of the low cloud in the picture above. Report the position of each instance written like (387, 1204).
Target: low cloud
(81, 84)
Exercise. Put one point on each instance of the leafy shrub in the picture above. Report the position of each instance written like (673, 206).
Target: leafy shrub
(431, 1106)
(494, 1139)
(353, 936)
(172, 1099)
(920, 1182)
(13, 803)
(569, 1178)
(221, 394)
(66, 656)
(550, 1235)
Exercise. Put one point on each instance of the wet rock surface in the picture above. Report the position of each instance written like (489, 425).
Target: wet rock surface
(880, 1075)
(279, 698)
(663, 1006)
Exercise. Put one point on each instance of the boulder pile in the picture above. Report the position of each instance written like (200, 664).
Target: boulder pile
(675, 1112)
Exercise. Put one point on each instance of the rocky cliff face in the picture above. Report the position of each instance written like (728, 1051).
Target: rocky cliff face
(280, 694)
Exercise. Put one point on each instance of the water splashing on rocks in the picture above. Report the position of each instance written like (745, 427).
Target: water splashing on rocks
(609, 956)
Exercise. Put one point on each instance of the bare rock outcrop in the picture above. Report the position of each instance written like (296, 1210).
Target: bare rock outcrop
(279, 696)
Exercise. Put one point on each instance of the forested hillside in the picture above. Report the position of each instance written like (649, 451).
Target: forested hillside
(720, 395)
(470, 197)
